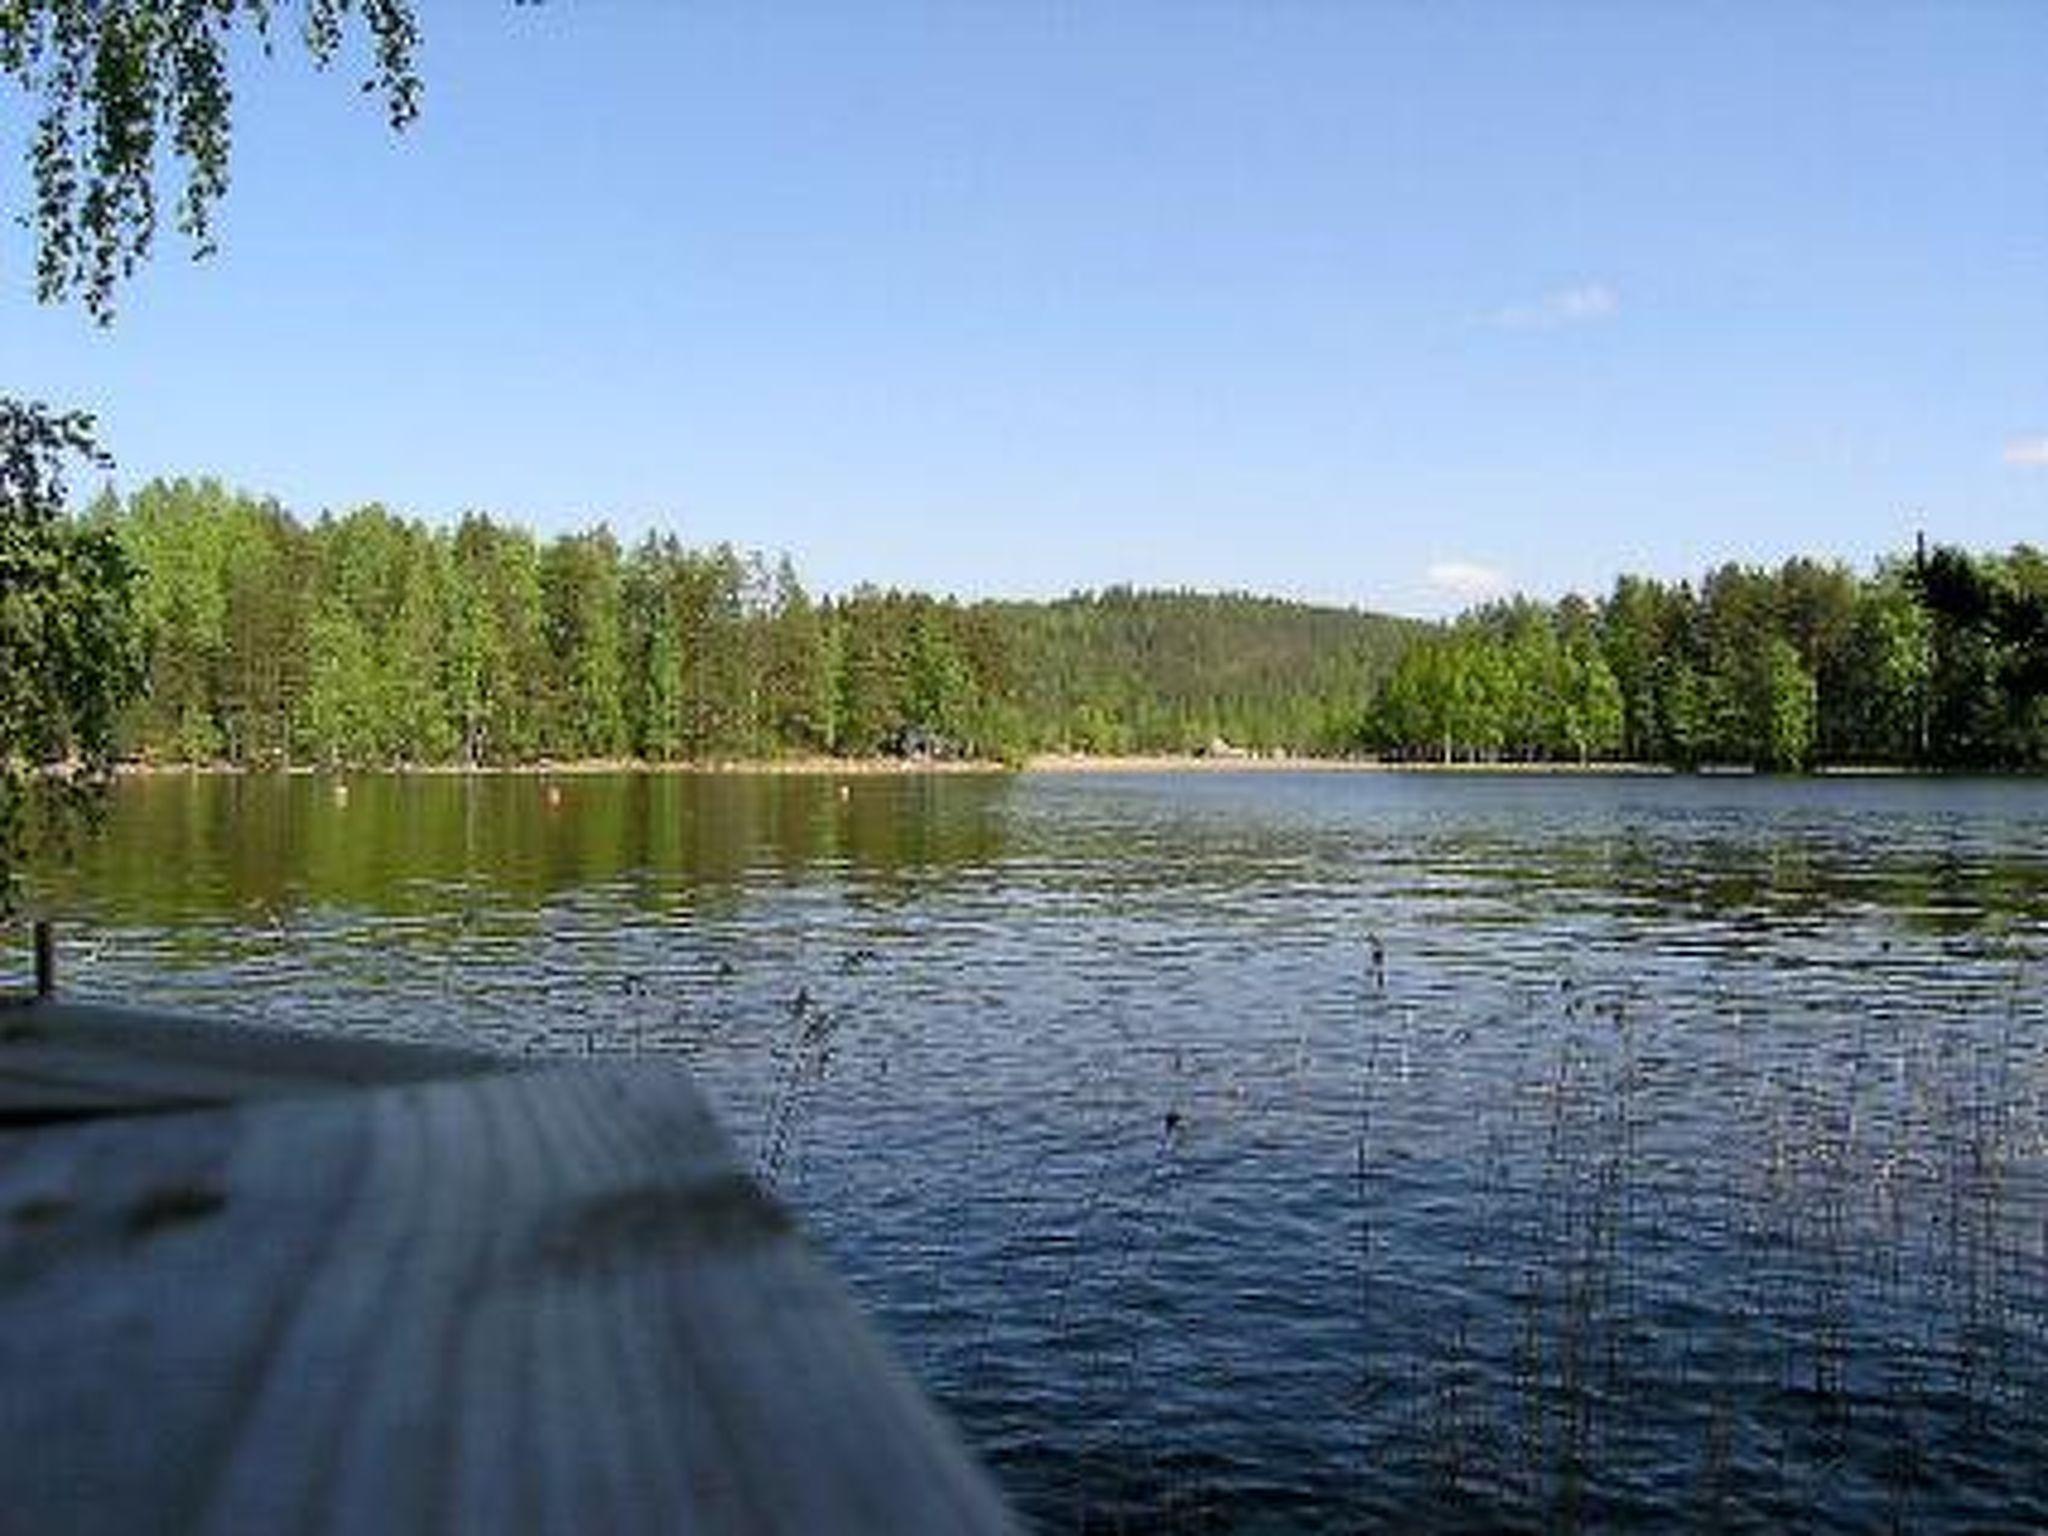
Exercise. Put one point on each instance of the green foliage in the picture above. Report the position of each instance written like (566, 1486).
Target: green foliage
(1125, 671)
(496, 628)
(1511, 683)
(1938, 662)
(122, 88)
(797, 687)
(379, 603)
(582, 604)
(1789, 704)
(69, 662)
(1883, 677)
(1988, 645)
(371, 639)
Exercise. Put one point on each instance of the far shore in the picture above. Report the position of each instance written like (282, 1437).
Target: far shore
(1043, 763)
(818, 767)
(1219, 763)
(829, 767)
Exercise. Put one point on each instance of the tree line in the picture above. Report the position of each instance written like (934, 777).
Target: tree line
(1937, 659)
(373, 639)
(370, 638)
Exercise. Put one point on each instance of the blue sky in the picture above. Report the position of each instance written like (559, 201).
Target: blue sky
(1387, 304)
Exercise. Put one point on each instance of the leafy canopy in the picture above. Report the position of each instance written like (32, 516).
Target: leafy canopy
(69, 655)
(120, 87)
(64, 602)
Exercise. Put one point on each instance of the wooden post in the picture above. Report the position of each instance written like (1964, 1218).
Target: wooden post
(46, 958)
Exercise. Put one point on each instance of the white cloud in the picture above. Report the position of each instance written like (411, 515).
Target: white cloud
(1580, 305)
(1466, 580)
(2031, 452)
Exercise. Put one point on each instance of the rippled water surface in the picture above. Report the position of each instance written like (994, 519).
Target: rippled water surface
(1274, 1151)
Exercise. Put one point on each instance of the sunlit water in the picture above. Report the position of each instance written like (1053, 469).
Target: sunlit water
(1679, 1160)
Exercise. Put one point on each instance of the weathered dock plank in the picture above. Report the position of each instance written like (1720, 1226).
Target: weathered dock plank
(61, 1060)
(531, 1301)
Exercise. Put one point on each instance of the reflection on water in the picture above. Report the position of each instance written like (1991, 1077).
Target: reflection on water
(1680, 1161)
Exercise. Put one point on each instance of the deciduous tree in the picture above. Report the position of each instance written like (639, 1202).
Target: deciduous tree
(68, 657)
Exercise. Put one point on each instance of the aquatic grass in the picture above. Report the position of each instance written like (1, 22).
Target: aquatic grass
(803, 1057)
(1833, 1187)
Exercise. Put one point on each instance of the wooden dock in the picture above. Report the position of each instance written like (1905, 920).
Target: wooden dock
(259, 1281)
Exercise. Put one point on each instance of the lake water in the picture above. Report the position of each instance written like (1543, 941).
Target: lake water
(1273, 1151)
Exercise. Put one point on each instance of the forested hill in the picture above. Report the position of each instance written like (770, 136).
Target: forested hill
(374, 639)
(1128, 671)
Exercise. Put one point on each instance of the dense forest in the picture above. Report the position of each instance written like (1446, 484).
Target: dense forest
(1938, 659)
(373, 639)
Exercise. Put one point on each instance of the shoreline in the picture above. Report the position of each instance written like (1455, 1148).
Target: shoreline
(1048, 763)
(1042, 763)
(1081, 763)
(791, 767)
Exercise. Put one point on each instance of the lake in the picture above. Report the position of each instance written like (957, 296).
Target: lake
(1271, 1151)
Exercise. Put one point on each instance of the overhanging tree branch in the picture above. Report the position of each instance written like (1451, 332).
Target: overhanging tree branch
(123, 91)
